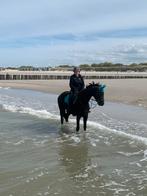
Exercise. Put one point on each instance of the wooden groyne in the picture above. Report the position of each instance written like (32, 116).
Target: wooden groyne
(54, 75)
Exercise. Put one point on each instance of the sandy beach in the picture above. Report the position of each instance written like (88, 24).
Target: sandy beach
(129, 91)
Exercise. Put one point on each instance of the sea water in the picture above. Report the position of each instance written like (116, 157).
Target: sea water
(40, 157)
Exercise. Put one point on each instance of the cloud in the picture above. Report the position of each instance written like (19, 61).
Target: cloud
(107, 49)
(56, 29)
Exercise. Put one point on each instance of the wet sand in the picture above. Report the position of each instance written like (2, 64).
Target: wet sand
(130, 91)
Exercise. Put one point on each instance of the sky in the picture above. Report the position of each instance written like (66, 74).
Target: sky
(57, 32)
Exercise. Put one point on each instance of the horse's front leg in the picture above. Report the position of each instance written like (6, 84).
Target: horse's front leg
(85, 121)
(61, 118)
(78, 123)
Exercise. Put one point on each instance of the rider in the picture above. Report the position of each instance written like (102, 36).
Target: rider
(76, 84)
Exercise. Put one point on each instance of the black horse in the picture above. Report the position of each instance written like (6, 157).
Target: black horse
(81, 106)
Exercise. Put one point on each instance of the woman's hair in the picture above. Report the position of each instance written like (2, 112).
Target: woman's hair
(76, 68)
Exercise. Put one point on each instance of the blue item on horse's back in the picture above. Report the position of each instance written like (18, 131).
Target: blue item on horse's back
(66, 99)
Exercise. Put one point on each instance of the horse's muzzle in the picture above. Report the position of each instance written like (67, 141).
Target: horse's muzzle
(100, 103)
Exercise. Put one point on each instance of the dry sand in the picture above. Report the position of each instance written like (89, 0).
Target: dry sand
(130, 91)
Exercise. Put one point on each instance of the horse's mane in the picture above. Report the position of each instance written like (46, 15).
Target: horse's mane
(100, 86)
(92, 84)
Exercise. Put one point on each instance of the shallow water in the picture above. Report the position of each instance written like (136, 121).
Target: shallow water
(38, 156)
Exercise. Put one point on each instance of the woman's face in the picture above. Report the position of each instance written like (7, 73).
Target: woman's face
(77, 71)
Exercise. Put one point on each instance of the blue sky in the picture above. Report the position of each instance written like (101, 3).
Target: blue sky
(53, 32)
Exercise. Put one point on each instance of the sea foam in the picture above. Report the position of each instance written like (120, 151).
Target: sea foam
(44, 114)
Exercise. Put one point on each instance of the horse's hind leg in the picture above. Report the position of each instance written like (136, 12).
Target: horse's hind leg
(66, 117)
(61, 118)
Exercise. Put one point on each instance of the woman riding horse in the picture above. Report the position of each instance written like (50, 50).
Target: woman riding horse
(81, 105)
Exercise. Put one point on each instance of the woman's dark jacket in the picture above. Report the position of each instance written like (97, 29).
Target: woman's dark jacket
(76, 83)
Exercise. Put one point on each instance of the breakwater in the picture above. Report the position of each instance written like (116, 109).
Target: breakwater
(49, 75)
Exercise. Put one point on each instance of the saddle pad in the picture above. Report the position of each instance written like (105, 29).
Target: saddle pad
(66, 99)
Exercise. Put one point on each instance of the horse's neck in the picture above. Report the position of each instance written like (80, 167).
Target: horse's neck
(85, 95)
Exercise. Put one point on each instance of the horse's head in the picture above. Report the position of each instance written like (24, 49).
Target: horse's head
(97, 91)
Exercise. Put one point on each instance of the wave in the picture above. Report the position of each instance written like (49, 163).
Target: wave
(44, 114)
(5, 88)
(26, 110)
(121, 133)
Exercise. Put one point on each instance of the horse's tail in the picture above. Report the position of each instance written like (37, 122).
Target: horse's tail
(61, 105)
